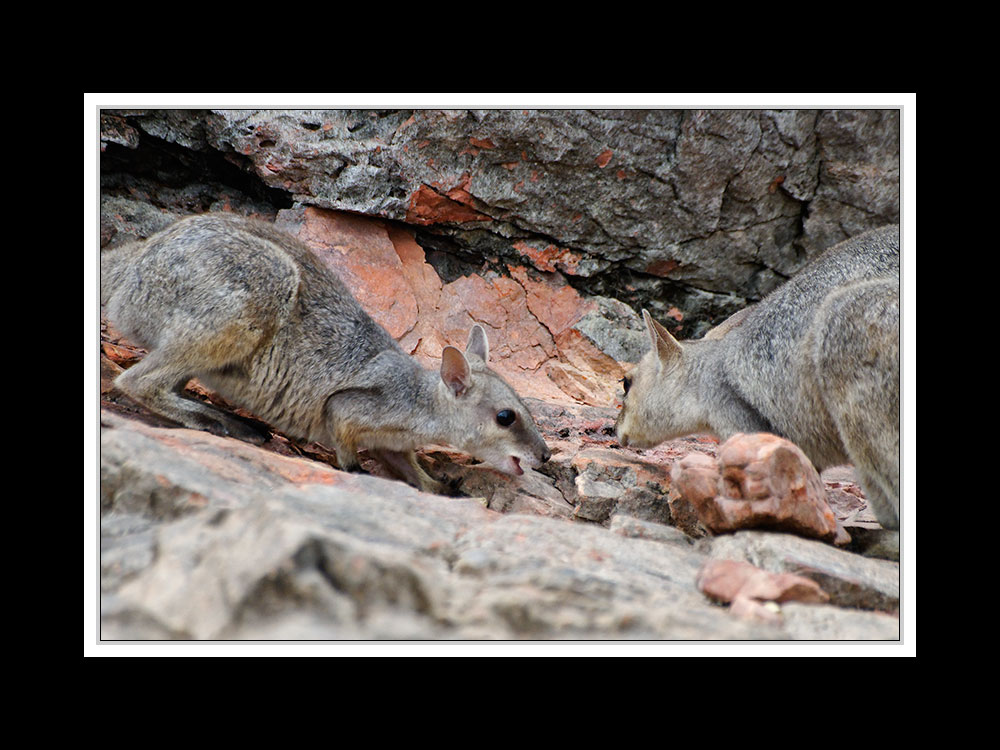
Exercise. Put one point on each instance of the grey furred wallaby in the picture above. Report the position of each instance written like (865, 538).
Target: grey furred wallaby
(253, 314)
(816, 361)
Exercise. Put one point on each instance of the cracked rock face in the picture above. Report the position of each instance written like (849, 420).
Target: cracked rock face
(688, 209)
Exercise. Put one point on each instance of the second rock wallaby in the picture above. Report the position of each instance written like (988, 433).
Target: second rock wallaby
(816, 361)
(253, 314)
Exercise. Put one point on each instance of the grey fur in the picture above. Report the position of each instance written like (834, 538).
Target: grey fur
(255, 316)
(816, 361)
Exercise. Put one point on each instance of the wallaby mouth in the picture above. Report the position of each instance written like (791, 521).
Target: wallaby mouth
(512, 465)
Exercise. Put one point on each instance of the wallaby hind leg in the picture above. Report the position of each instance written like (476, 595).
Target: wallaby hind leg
(858, 365)
(156, 383)
(869, 429)
(882, 500)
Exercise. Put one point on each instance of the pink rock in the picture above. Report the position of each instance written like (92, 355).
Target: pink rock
(750, 609)
(758, 481)
(748, 588)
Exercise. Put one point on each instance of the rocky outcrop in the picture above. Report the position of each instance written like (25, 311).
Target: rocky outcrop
(550, 229)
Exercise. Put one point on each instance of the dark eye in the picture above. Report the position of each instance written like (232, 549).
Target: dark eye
(506, 417)
(626, 383)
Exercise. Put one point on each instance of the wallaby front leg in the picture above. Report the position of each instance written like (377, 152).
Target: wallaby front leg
(347, 458)
(405, 466)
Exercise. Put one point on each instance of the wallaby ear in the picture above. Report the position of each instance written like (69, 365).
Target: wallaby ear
(455, 371)
(733, 321)
(478, 343)
(665, 345)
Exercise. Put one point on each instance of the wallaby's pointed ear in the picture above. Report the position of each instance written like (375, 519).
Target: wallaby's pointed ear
(665, 345)
(455, 370)
(478, 343)
(733, 321)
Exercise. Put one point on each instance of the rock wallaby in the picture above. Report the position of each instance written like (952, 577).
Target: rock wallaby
(255, 316)
(816, 361)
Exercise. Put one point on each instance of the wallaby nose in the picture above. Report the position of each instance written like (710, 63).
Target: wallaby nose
(546, 454)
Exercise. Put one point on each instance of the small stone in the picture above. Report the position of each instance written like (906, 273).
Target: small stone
(755, 593)
(758, 481)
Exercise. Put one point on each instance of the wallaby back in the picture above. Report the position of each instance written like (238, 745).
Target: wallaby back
(816, 361)
(256, 316)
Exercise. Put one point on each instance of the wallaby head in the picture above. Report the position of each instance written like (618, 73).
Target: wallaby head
(485, 418)
(658, 403)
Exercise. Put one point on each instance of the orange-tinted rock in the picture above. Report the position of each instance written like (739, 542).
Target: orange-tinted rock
(550, 258)
(555, 304)
(360, 252)
(427, 206)
(572, 382)
(695, 479)
(123, 355)
(662, 267)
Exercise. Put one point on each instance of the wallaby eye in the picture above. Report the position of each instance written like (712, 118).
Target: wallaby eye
(626, 383)
(506, 417)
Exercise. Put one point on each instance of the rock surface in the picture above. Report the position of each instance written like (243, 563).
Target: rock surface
(550, 229)
(207, 538)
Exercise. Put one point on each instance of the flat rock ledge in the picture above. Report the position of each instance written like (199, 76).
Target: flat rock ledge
(207, 538)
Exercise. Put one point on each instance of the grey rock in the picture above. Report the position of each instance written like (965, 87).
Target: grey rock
(125, 219)
(630, 526)
(114, 129)
(822, 622)
(616, 329)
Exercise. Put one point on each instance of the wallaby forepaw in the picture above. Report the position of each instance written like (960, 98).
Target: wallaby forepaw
(347, 460)
(237, 429)
(433, 486)
(250, 435)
